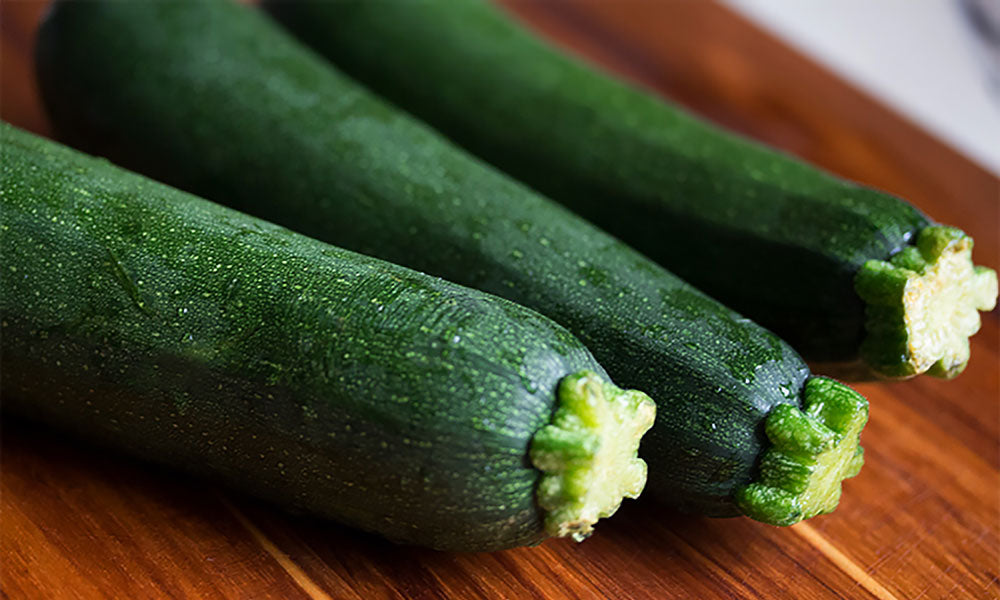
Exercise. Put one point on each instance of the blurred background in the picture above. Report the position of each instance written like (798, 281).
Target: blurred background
(935, 61)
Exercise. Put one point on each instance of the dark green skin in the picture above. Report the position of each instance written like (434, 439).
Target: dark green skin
(193, 335)
(770, 236)
(214, 98)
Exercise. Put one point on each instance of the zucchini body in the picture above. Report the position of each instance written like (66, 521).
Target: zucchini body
(196, 336)
(768, 235)
(221, 102)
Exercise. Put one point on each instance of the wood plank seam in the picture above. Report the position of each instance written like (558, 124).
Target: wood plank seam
(310, 587)
(842, 561)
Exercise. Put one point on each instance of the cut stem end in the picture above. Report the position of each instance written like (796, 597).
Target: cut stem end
(922, 306)
(813, 450)
(588, 454)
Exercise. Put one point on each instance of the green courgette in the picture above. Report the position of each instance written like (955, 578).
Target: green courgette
(850, 276)
(213, 97)
(194, 335)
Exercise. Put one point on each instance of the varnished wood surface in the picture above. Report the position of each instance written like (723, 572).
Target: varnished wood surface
(921, 521)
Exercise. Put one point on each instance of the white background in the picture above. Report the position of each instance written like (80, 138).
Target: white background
(920, 57)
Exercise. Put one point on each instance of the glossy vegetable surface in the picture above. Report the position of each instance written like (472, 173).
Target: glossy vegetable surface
(224, 103)
(196, 336)
(776, 239)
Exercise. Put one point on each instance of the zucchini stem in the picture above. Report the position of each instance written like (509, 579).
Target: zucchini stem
(922, 306)
(588, 454)
(813, 450)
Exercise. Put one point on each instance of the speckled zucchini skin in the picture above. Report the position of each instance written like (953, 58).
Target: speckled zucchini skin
(770, 236)
(216, 99)
(193, 335)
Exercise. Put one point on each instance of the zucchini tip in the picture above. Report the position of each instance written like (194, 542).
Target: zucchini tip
(922, 306)
(588, 454)
(814, 448)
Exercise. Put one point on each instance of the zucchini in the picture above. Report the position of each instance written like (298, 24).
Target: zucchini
(194, 335)
(856, 280)
(222, 102)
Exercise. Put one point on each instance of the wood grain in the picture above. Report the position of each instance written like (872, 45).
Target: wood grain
(921, 521)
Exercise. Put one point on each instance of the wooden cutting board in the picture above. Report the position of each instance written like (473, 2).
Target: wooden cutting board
(922, 519)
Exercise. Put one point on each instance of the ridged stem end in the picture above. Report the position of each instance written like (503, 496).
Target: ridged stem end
(588, 454)
(813, 450)
(923, 304)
